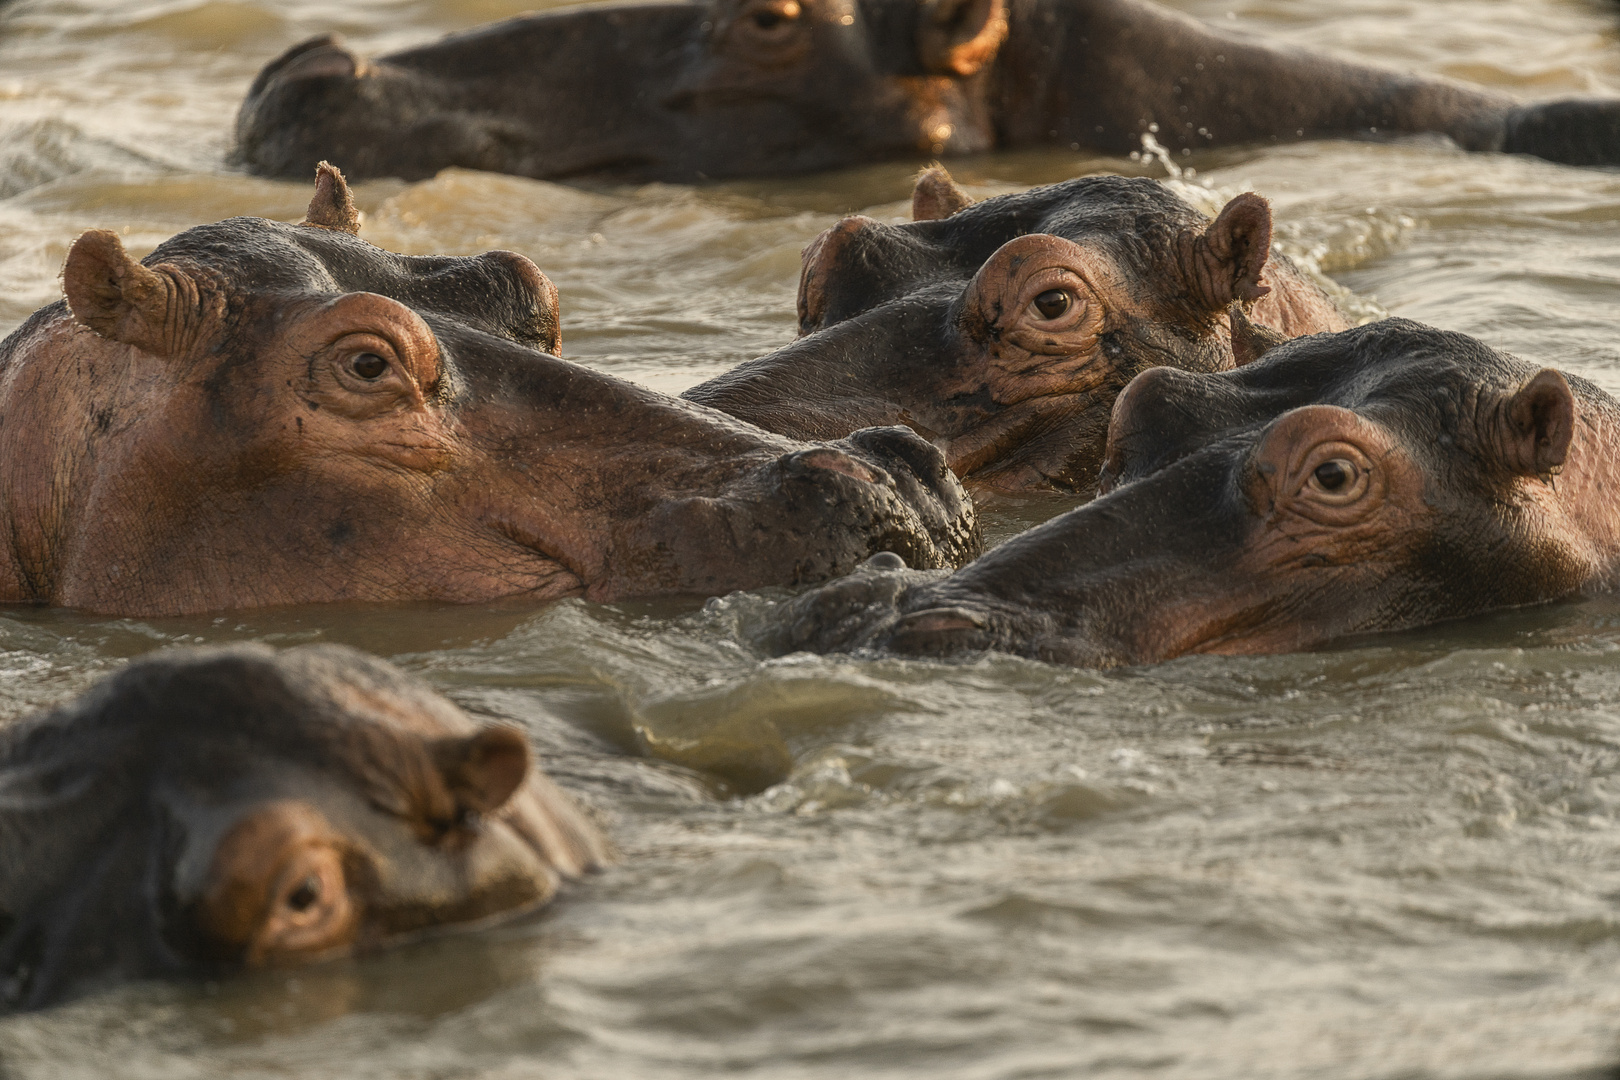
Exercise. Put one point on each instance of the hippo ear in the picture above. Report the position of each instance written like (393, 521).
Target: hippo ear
(160, 309)
(333, 206)
(484, 770)
(1223, 263)
(958, 37)
(1250, 340)
(936, 195)
(1537, 424)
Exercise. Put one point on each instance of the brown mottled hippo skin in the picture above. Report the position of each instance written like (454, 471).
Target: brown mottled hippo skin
(717, 88)
(265, 414)
(211, 809)
(1381, 478)
(1002, 331)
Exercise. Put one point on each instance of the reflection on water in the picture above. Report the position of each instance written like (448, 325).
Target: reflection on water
(1394, 858)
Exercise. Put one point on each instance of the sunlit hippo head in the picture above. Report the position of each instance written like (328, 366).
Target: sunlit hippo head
(211, 809)
(648, 91)
(261, 413)
(1385, 477)
(1002, 330)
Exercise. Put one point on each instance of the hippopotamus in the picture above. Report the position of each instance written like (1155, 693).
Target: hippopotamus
(1381, 478)
(687, 91)
(262, 413)
(205, 810)
(1003, 330)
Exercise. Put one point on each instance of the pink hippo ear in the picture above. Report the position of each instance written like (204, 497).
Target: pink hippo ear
(333, 206)
(484, 770)
(1537, 424)
(1223, 263)
(160, 309)
(958, 37)
(936, 195)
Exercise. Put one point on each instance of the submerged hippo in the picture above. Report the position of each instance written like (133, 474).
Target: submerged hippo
(1385, 477)
(262, 413)
(220, 808)
(718, 88)
(1002, 331)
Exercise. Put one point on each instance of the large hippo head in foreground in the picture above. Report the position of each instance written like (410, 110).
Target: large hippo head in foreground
(210, 809)
(264, 414)
(1380, 478)
(1003, 330)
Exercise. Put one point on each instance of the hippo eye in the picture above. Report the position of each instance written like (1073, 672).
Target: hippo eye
(1334, 475)
(368, 366)
(773, 17)
(306, 895)
(1052, 303)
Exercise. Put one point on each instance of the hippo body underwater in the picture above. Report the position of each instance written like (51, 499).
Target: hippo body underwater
(206, 810)
(720, 88)
(1003, 330)
(1382, 478)
(264, 413)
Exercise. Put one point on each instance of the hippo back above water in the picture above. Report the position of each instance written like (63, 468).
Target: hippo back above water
(262, 413)
(1386, 477)
(720, 88)
(1002, 330)
(206, 810)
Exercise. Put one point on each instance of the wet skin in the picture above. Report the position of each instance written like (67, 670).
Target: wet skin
(689, 91)
(1002, 331)
(1381, 478)
(208, 810)
(264, 413)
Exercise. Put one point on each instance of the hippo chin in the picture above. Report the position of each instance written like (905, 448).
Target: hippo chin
(261, 413)
(1385, 477)
(718, 88)
(206, 810)
(1003, 330)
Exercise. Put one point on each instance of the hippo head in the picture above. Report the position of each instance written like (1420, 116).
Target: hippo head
(1381, 478)
(210, 809)
(1002, 330)
(657, 91)
(265, 414)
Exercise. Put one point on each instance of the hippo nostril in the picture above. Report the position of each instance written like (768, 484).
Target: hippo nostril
(839, 462)
(925, 460)
(885, 560)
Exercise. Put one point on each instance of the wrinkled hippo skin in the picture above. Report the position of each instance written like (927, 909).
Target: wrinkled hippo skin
(720, 88)
(262, 413)
(206, 810)
(1386, 477)
(1002, 331)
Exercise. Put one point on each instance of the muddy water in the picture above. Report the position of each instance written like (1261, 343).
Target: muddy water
(1397, 858)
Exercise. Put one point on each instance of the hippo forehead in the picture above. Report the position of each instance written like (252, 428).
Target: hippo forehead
(1131, 219)
(497, 292)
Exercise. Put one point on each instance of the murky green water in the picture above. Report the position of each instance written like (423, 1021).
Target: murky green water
(1396, 859)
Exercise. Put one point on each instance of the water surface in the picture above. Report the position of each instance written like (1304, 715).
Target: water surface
(1398, 858)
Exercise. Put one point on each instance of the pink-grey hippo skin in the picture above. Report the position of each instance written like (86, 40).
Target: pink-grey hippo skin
(1382, 478)
(261, 413)
(209, 810)
(1003, 330)
(725, 88)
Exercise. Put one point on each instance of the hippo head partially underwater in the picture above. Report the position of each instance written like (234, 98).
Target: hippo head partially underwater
(208, 810)
(686, 91)
(261, 413)
(1003, 330)
(1381, 478)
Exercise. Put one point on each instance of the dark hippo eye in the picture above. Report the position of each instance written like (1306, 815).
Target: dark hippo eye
(368, 365)
(306, 895)
(1052, 303)
(1334, 475)
(773, 17)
